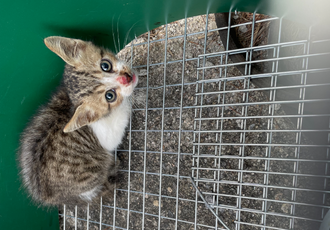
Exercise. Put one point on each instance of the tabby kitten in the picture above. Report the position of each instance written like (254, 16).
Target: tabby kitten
(66, 151)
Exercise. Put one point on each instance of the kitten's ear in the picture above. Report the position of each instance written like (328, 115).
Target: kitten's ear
(83, 115)
(68, 49)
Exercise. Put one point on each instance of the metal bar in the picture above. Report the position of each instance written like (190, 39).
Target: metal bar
(260, 185)
(262, 172)
(299, 126)
(198, 137)
(101, 213)
(156, 195)
(162, 134)
(149, 151)
(253, 117)
(261, 131)
(270, 200)
(87, 224)
(266, 145)
(165, 131)
(114, 198)
(64, 216)
(265, 60)
(129, 156)
(145, 137)
(245, 99)
(180, 126)
(265, 103)
(201, 195)
(265, 89)
(251, 48)
(75, 217)
(320, 41)
(233, 170)
(223, 96)
(219, 150)
(242, 104)
(263, 158)
(263, 75)
(157, 174)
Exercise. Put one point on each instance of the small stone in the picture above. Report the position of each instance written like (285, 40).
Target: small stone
(209, 199)
(207, 63)
(286, 208)
(143, 72)
(156, 203)
(169, 189)
(243, 29)
(278, 196)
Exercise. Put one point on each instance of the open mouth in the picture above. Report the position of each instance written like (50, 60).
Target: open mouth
(126, 79)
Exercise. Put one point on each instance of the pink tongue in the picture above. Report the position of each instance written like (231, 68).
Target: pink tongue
(124, 80)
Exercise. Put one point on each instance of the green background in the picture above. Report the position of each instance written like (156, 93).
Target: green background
(29, 72)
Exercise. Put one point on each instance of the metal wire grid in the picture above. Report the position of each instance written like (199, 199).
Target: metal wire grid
(266, 219)
(263, 215)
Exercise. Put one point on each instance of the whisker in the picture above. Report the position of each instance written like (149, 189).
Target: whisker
(133, 105)
(135, 101)
(126, 38)
(113, 35)
(118, 32)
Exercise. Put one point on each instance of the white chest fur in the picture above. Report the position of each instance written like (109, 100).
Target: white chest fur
(110, 130)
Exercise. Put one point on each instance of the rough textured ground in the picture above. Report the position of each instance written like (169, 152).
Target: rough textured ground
(171, 132)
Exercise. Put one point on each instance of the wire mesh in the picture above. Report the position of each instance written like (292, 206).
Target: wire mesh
(207, 142)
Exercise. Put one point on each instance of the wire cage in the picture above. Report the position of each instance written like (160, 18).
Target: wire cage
(229, 129)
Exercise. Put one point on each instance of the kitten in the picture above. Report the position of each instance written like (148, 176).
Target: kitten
(66, 151)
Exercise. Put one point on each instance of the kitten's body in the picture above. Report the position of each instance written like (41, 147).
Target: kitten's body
(112, 126)
(53, 160)
(66, 151)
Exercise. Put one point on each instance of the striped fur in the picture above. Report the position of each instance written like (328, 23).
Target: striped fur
(66, 151)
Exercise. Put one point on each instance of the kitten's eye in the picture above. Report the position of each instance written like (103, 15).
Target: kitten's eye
(111, 95)
(106, 65)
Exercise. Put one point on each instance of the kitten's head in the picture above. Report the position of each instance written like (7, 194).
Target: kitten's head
(96, 81)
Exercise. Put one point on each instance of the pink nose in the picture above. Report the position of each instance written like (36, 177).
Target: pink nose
(126, 79)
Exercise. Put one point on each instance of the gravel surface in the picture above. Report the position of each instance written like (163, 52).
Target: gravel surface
(168, 176)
